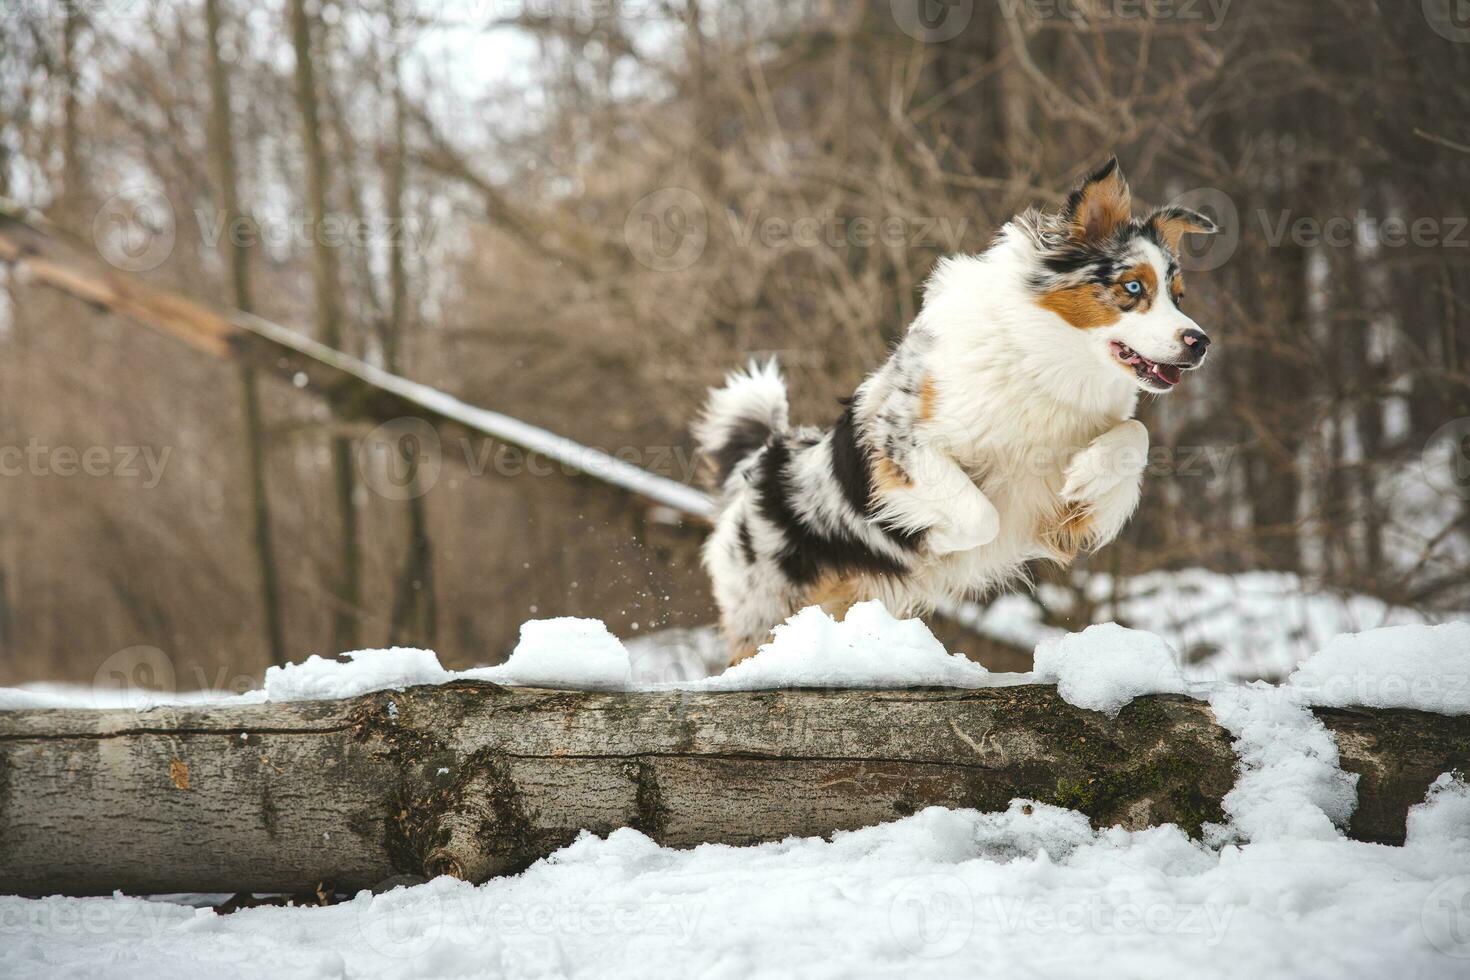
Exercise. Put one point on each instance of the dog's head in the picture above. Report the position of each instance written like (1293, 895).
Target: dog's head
(1116, 280)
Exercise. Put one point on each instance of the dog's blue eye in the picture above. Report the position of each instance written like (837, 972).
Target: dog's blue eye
(1134, 287)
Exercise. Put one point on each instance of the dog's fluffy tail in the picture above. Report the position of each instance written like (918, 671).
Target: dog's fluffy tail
(740, 417)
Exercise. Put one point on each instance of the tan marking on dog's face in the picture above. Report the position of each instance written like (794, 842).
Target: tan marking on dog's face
(1147, 278)
(927, 397)
(1176, 289)
(1086, 307)
(888, 475)
(1091, 305)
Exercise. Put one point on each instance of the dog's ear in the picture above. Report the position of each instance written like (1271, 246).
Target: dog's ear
(1100, 205)
(1173, 223)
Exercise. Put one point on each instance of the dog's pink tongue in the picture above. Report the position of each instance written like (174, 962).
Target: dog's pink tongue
(1168, 372)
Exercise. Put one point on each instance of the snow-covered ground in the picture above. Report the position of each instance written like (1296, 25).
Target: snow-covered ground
(1276, 891)
(1031, 892)
(1247, 625)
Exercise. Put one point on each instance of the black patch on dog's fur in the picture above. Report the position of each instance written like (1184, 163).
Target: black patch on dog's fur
(746, 436)
(807, 552)
(1097, 263)
(747, 546)
(852, 469)
(850, 465)
(1151, 232)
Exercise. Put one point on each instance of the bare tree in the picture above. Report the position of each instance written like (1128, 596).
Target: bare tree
(329, 323)
(237, 264)
(415, 603)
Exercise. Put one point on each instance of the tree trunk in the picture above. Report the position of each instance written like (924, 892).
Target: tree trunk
(237, 261)
(329, 328)
(475, 780)
(415, 614)
(73, 177)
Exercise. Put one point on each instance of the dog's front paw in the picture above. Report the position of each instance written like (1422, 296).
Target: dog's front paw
(1114, 458)
(976, 530)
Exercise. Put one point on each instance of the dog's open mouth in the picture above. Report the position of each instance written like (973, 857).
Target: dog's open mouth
(1153, 373)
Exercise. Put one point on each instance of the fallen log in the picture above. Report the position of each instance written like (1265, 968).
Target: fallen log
(473, 779)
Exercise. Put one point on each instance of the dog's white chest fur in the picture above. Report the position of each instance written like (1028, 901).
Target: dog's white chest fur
(1014, 402)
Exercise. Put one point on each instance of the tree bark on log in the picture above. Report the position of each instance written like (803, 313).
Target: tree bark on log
(473, 779)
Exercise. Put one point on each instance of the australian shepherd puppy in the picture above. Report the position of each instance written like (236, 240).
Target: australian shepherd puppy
(1000, 430)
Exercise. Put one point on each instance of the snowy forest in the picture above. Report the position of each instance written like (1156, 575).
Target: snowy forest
(412, 566)
(582, 214)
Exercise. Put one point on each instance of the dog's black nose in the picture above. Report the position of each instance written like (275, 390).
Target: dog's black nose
(1197, 342)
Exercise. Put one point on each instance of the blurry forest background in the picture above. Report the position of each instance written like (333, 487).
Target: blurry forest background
(582, 212)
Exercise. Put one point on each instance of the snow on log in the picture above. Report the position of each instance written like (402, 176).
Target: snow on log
(474, 779)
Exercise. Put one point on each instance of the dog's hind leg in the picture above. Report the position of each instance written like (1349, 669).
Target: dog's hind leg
(752, 593)
(746, 621)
